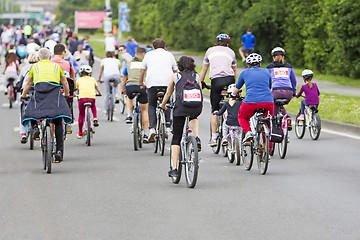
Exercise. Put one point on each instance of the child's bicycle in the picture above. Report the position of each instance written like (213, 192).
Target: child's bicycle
(11, 92)
(88, 128)
(233, 145)
(311, 120)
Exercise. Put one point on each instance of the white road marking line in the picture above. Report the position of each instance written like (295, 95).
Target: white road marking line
(16, 129)
(341, 134)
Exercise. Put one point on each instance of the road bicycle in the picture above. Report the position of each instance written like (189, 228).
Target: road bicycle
(282, 120)
(111, 103)
(47, 145)
(311, 121)
(260, 144)
(11, 92)
(136, 128)
(160, 129)
(188, 157)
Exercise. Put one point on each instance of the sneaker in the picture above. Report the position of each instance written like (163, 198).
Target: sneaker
(68, 129)
(96, 122)
(248, 136)
(58, 157)
(173, 173)
(198, 141)
(213, 143)
(23, 138)
(152, 135)
(117, 100)
(79, 135)
(36, 133)
(145, 139)
(301, 117)
(128, 120)
(288, 119)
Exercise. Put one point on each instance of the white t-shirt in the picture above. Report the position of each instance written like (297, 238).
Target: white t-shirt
(111, 66)
(50, 44)
(5, 37)
(160, 65)
(109, 44)
(32, 48)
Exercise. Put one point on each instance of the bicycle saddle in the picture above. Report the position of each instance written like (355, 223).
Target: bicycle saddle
(160, 94)
(87, 104)
(282, 101)
(260, 110)
(313, 108)
(224, 91)
(112, 80)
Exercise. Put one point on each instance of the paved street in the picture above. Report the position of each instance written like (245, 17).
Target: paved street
(108, 191)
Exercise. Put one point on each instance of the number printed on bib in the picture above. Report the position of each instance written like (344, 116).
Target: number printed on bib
(193, 95)
(281, 72)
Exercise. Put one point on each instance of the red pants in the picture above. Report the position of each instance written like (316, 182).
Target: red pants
(247, 111)
(82, 110)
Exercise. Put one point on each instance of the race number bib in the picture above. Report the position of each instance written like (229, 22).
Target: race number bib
(193, 95)
(281, 72)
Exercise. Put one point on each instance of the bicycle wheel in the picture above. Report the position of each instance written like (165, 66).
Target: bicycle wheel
(122, 103)
(230, 155)
(246, 152)
(315, 126)
(49, 149)
(283, 146)
(11, 95)
(263, 150)
(176, 180)
(135, 132)
(88, 127)
(236, 151)
(43, 147)
(139, 128)
(299, 127)
(191, 162)
(157, 140)
(111, 107)
(162, 139)
(216, 149)
(31, 136)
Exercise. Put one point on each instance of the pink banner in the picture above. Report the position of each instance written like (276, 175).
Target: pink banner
(89, 19)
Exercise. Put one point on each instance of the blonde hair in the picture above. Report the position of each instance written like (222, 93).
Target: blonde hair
(279, 58)
(33, 58)
(309, 83)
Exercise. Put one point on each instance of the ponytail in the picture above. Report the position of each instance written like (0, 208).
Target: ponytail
(279, 58)
(309, 83)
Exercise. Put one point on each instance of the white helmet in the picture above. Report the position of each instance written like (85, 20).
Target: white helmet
(307, 73)
(230, 88)
(277, 51)
(253, 59)
(86, 68)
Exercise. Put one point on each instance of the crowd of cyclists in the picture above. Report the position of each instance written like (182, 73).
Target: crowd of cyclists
(55, 73)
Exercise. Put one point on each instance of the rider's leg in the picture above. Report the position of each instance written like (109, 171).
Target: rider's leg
(144, 116)
(194, 124)
(242, 53)
(152, 99)
(129, 105)
(178, 126)
(59, 134)
(81, 113)
(302, 108)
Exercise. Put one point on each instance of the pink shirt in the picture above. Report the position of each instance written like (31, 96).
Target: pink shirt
(65, 65)
(221, 60)
(12, 67)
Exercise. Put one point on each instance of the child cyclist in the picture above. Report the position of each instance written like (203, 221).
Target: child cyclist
(232, 107)
(86, 86)
(311, 92)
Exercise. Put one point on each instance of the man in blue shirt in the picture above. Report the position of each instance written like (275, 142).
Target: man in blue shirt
(131, 46)
(248, 40)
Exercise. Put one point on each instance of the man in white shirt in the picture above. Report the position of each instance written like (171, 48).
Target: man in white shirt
(160, 66)
(110, 43)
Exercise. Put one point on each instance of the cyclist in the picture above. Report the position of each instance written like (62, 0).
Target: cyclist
(49, 103)
(160, 65)
(11, 69)
(86, 86)
(186, 66)
(311, 92)
(130, 81)
(131, 46)
(283, 78)
(248, 40)
(258, 92)
(111, 68)
(222, 62)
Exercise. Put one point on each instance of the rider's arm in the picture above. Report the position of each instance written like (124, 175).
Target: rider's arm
(123, 83)
(234, 68)
(100, 73)
(169, 91)
(141, 77)
(299, 93)
(98, 90)
(223, 109)
(203, 72)
(293, 80)
(27, 86)
(65, 85)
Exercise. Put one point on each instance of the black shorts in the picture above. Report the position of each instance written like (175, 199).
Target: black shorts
(217, 85)
(178, 128)
(130, 90)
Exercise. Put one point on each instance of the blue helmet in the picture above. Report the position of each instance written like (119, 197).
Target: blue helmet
(223, 38)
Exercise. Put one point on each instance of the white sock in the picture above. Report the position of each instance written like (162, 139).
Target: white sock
(146, 132)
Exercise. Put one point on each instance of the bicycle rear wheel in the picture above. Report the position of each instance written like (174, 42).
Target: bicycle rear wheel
(236, 151)
(31, 136)
(282, 147)
(122, 103)
(49, 149)
(11, 95)
(43, 147)
(162, 139)
(299, 127)
(230, 156)
(135, 132)
(191, 162)
(246, 152)
(88, 127)
(263, 150)
(176, 179)
(315, 127)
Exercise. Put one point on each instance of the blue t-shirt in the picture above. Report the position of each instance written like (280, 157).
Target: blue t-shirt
(249, 40)
(258, 84)
(131, 48)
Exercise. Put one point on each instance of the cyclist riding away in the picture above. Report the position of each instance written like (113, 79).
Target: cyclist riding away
(130, 82)
(222, 62)
(248, 40)
(86, 86)
(11, 69)
(258, 92)
(49, 103)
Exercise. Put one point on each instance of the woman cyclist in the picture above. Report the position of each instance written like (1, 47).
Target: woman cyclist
(283, 78)
(11, 69)
(186, 67)
(86, 86)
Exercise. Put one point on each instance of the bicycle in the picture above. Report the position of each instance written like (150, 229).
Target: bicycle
(11, 92)
(311, 120)
(122, 103)
(189, 157)
(47, 145)
(29, 127)
(233, 146)
(136, 129)
(111, 105)
(260, 143)
(160, 135)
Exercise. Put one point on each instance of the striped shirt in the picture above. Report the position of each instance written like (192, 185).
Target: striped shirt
(46, 71)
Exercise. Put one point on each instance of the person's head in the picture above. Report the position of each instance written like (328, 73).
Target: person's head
(307, 75)
(248, 30)
(254, 60)
(59, 50)
(10, 58)
(12, 46)
(278, 54)
(86, 37)
(33, 58)
(140, 52)
(44, 53)
(122, 49)
(223, 40)
(109, 54)
(159, 43)
(230, 90)
(85, 70)
(130, 39)
(186, 63)
(79, 48)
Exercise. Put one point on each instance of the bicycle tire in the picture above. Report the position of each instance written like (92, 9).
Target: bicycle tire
(122, 103)
(43, 147)
(157, 140)
(140, 130)
(191, 162)
(282, 147)
(135, 132)
(31, 136)
(299, 127)
(88, 126)
(162, 139)
(11, 95)
(176, 179)
(230, 156)
(236, 151)
(246, 152)
(315, 127)
(216, 149)
(263, 150)
(49, 149)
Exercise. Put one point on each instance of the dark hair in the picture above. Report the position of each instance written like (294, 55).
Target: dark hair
(186, 63)
(123, 46)
(109, 54)
(10, 58)
(59, 49)
(149, 46)
(224, 44)
(158, 43)
(248, 30)
(140, 50)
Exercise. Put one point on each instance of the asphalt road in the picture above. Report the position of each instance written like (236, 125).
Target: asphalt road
(108, 191)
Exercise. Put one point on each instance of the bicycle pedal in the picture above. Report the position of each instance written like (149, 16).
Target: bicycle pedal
(37, 139)
(68, 132)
